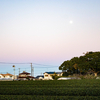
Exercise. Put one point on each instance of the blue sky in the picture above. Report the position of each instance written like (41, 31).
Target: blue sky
(46, 32)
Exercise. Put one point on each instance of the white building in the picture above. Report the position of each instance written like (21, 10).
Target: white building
(48, 75)
(7, 76)
(25, 76)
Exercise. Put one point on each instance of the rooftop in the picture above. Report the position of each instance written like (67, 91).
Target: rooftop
(7, 74)
(24, 73)
(53, 72)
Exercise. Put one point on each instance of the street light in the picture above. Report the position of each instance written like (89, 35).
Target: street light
(14, 70)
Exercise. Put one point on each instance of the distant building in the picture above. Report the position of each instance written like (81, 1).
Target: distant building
(7, 76)
(48, 75)
(25, 76)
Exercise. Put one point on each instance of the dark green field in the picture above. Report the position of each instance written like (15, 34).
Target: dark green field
(50, 90)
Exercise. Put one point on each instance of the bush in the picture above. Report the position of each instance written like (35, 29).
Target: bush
(87, 77)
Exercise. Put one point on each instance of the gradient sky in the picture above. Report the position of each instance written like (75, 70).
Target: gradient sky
(47, 32)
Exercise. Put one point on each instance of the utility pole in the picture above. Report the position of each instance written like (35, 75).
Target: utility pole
(19, 70)
(14, 70)
(32, 70)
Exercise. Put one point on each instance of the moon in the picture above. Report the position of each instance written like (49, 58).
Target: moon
(70, 21)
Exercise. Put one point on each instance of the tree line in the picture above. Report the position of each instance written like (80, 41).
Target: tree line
(88, 63)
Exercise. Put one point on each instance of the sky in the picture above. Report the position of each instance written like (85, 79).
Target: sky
(46, 33)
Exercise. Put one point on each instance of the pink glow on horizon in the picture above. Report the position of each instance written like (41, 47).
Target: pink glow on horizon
(40, 31)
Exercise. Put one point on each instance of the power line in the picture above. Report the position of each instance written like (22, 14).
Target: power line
(12, 63)
(36, 65)
(29, 63)
(43, 64)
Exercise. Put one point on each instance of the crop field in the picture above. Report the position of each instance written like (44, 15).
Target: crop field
(86, 89)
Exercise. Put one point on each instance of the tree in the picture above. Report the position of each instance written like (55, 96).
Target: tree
(75, 66)
(88, 62)
(55, 77)
(66, 65)
(93, 60)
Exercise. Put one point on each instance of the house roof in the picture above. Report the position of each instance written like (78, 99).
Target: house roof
(24, 73)
(58, 72)
(53, 72)
(26, 77)
(7, 74)
(40, 76)
(50, 72)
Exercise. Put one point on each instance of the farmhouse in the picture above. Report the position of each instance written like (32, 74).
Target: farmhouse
(24, 76)
(6, 76)
(48, 75)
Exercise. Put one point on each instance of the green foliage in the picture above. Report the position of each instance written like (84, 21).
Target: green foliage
(65, 74)
(50, 90)
(35, 97)
(87, 76)
(55, 77)
(88, 62)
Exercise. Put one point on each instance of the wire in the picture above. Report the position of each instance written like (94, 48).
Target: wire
(44, 65)
(29, 63)
(13, 63)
